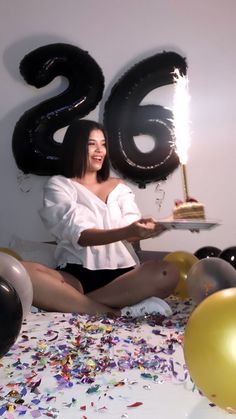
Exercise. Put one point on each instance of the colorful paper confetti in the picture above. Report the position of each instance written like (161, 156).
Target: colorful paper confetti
(59, 361)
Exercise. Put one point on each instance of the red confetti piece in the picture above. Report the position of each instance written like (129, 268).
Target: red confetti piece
(82, 407)
(101, 409)
(136, 404)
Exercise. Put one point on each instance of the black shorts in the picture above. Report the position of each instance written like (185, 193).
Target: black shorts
(92, 280)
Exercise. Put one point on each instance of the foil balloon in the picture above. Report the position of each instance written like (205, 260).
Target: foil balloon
(10, 252)
(207, 252)
(210, 348)
(10, 316)
(125, 118)
(16, 275)
(184, 261)
(208, 276)
(34, 148)
(229, 255)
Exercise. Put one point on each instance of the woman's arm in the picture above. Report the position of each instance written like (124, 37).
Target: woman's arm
(69, 220)
(96, 237)
(138, 230)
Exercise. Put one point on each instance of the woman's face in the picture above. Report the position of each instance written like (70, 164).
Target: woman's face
(96, 150)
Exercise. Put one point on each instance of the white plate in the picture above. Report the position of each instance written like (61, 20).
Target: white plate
(189, 224)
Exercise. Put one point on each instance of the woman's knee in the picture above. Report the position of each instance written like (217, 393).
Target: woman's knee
(170, 274)
(30, 265)
(33, 267)
(171, 271)
(164, 274)
(161, 268)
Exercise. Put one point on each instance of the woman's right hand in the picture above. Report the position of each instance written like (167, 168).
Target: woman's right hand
(138, 230)
(145, 228)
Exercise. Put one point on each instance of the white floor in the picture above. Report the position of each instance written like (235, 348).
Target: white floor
(137, 369)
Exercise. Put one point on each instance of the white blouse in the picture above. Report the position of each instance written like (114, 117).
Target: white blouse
(70, 208)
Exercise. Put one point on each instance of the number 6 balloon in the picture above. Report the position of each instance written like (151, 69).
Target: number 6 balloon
(124, 118)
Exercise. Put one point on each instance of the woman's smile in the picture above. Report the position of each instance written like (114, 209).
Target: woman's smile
(96, 149)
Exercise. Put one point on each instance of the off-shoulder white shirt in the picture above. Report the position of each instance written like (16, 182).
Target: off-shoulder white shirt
(70, 208)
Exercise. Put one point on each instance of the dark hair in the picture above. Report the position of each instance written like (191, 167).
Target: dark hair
(75, 149)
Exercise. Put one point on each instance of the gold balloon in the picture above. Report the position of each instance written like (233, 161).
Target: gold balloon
(210, 348)
(184, 261)
(10, 252)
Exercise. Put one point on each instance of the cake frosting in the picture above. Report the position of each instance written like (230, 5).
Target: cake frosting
(190, 209)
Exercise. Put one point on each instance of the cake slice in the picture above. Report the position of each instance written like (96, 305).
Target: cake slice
(191, 209)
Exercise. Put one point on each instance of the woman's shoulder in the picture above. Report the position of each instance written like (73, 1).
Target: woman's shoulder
(119, 185)
(114, 181)
(58, 180)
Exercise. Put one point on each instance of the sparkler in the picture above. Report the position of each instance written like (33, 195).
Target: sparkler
(181, 123)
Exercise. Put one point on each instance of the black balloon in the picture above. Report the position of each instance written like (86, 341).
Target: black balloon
(207, 252)
(34, 148)
(11, 314)
(124, 118)
(229, 255)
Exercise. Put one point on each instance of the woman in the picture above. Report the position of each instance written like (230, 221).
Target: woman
(94, 219)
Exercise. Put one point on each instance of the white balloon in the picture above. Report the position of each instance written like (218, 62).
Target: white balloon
(209, 275)
(12, 271)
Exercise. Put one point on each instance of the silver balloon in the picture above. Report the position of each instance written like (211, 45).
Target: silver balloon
(208, 276)
(13, 272)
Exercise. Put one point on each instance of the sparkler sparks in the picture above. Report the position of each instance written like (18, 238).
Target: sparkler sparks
(181, 116)
(181, 123)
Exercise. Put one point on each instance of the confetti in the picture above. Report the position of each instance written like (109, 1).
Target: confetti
(60, 354)
(93, 389)
(136, 404)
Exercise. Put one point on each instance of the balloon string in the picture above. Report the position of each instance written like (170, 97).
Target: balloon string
(160, 198)
(23, 181)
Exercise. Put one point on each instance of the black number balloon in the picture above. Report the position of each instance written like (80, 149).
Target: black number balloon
(34, 148)
(125, 118)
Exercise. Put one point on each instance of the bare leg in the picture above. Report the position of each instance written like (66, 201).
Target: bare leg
(152, 278)
(54, 291)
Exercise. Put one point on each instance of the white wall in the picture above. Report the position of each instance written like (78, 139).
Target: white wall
(117, 34)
